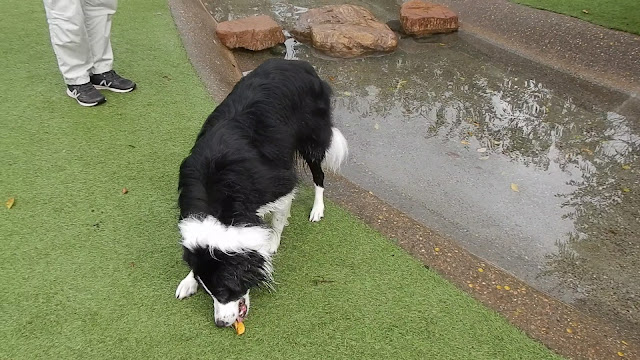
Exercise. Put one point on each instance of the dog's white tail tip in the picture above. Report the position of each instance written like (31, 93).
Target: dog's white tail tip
(337, 152)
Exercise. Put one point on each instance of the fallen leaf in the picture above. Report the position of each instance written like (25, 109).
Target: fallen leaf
(624, 342)
(332, 79)
(480, 270)
(376, 126)
(498, 287)
(442, 44)
(626, 167)
(570, 330)
(10, 203)
(496, 142)
(481, 150)
(585, 150)
(346, 93)
(464, 142)
(507, 287)
(515, 187)
(239, 327)
(436, 249)
(470, 285)
(626, 190)
(585, 11)
(620, 353)
(401, 84)
(124, 191)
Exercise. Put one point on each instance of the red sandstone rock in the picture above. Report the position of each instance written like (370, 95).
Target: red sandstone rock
(345, 31)
(422, 18)
(253, 33)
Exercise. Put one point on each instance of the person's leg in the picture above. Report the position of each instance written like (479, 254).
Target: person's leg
(69, 39)
(71, 46)
(97, 21)
(99, 14)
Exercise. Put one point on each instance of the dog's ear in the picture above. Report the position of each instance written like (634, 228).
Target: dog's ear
(251, 269)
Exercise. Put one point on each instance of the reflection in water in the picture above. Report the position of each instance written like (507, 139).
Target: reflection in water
(597, 151)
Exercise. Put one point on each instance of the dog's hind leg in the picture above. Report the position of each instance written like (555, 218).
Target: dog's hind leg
(187, 287)
(317, 212)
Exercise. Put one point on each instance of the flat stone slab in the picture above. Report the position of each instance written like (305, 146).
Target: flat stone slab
(421, 18)
(253, 33)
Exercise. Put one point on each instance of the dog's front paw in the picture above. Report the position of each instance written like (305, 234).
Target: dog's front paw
(187, 287)
(317, 213)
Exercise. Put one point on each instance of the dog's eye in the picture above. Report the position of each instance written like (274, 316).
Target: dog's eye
(222, 295)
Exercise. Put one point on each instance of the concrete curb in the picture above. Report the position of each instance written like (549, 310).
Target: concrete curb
(214, 63)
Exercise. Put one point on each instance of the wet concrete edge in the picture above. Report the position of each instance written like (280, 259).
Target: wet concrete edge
(553, 323)
(215, 64)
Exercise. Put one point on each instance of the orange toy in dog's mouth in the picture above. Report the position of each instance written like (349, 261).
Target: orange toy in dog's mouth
(238, 325)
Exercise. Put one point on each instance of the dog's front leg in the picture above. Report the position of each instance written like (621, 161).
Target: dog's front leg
(187, 287)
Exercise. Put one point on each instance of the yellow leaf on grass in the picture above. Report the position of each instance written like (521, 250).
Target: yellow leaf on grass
(570, 330)
(507, 287)
(620, 353)
(10, 203)
(464, 142)
(624, 342)
(626, 189)
(498, 287)
(585, 11)
(626, 167)
(239, 327)
(515, 187)
(436, 249)
(480, 270)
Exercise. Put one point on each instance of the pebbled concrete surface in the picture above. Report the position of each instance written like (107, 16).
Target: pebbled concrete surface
(589, 51)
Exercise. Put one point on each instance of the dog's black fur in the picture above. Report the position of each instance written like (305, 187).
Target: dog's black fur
(245, 157)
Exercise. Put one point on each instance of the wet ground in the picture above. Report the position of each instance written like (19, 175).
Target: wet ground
(531, 169)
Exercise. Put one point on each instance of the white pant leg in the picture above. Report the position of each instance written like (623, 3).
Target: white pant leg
(69, 39)
(98, 17)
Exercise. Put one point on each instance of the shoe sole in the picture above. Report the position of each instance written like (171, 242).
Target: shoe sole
(100, 87)
(84, 103)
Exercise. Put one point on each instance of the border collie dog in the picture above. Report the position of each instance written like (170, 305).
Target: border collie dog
(242, 167)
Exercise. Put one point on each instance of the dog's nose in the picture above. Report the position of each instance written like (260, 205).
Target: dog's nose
(221, 323)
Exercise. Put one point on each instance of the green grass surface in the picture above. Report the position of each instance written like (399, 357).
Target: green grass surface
(615, 14)
(89, 273)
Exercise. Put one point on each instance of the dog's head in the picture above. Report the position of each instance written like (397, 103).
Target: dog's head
(227, 278)
(227, 261)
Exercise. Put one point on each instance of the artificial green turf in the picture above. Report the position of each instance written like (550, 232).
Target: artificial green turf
(88, 272)
(615, 14)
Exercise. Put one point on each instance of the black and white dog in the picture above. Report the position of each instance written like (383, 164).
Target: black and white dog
(242, 167)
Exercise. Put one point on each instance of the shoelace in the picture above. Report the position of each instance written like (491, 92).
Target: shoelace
(85, 88)
(110, 75)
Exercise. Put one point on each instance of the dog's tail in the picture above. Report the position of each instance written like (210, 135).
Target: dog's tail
(337, 152)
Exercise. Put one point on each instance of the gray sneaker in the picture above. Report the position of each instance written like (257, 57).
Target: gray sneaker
(85, 94)
(111, 81)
